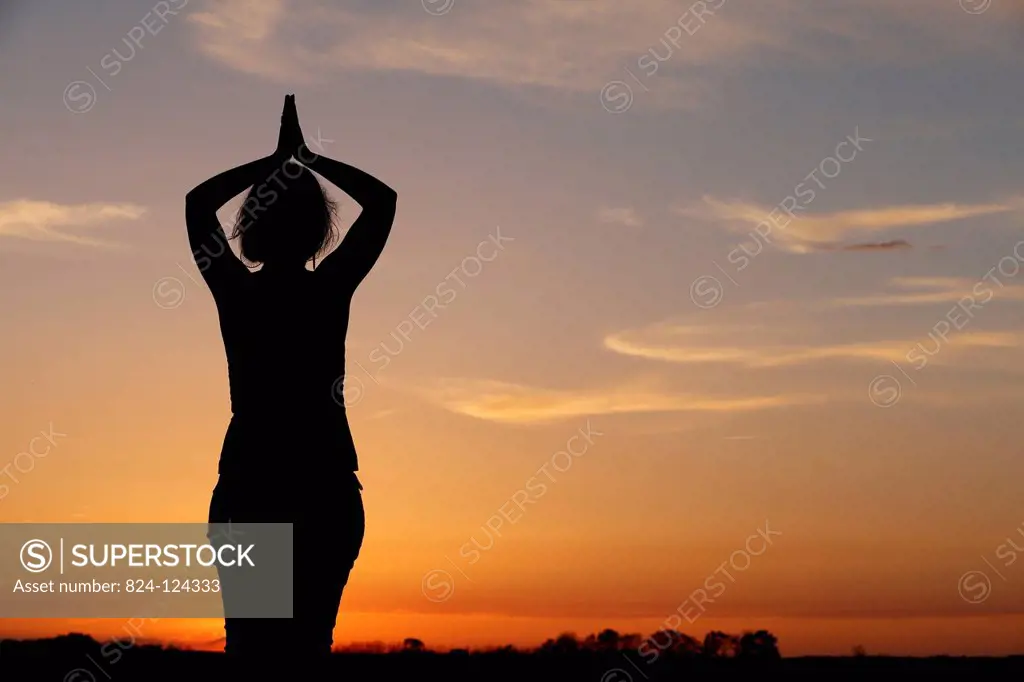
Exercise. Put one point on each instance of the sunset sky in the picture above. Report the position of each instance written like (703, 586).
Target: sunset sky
(853, 379)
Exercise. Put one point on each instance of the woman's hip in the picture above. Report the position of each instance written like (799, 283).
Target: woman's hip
(317, 499)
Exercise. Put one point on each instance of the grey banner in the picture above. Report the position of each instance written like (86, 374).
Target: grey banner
(146, 570)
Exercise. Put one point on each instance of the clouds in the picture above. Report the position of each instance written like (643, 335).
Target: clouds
(624, 216)
(798, 230)
(518, 404)
(575, 46)
(891, 245)
(925, 290)
(758, 351)
(572, 45)
(241, 34)
(52, 222)
(758, 347)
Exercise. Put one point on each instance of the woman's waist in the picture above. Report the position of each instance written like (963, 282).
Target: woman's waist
(293, 426)
(286, 407)
(281, 453)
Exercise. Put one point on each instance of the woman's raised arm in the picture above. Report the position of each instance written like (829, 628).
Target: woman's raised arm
(206, 237)
(365, 240)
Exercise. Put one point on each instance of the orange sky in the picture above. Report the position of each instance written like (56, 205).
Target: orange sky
(778, 382)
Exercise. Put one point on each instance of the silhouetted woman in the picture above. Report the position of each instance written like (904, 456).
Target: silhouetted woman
(288, 455)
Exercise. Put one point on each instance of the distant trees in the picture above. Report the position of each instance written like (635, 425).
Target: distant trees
(675, 642)
(565, 643)
(412, 644)
(759, 644)
(611, 640)
(718, 644)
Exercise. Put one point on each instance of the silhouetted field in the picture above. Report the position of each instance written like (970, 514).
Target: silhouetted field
(78, 658)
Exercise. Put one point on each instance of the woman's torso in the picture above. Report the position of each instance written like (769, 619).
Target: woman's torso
(284, 338)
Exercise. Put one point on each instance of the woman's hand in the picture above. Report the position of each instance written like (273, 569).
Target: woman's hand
(289, 140)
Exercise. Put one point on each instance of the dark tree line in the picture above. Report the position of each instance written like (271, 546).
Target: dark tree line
(760, 644)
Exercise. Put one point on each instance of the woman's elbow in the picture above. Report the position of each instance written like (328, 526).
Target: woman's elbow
(389, 197)
(192, 197)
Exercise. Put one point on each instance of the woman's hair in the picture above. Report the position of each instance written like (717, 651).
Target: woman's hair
(289, 219)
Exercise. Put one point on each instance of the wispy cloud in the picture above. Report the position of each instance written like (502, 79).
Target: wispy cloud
(804, 232)
(576, 45)
(518, 404)
(242, 34)
(668, 342)
(891, 245)
(619, 216)
(52, 222)
(928, 290)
